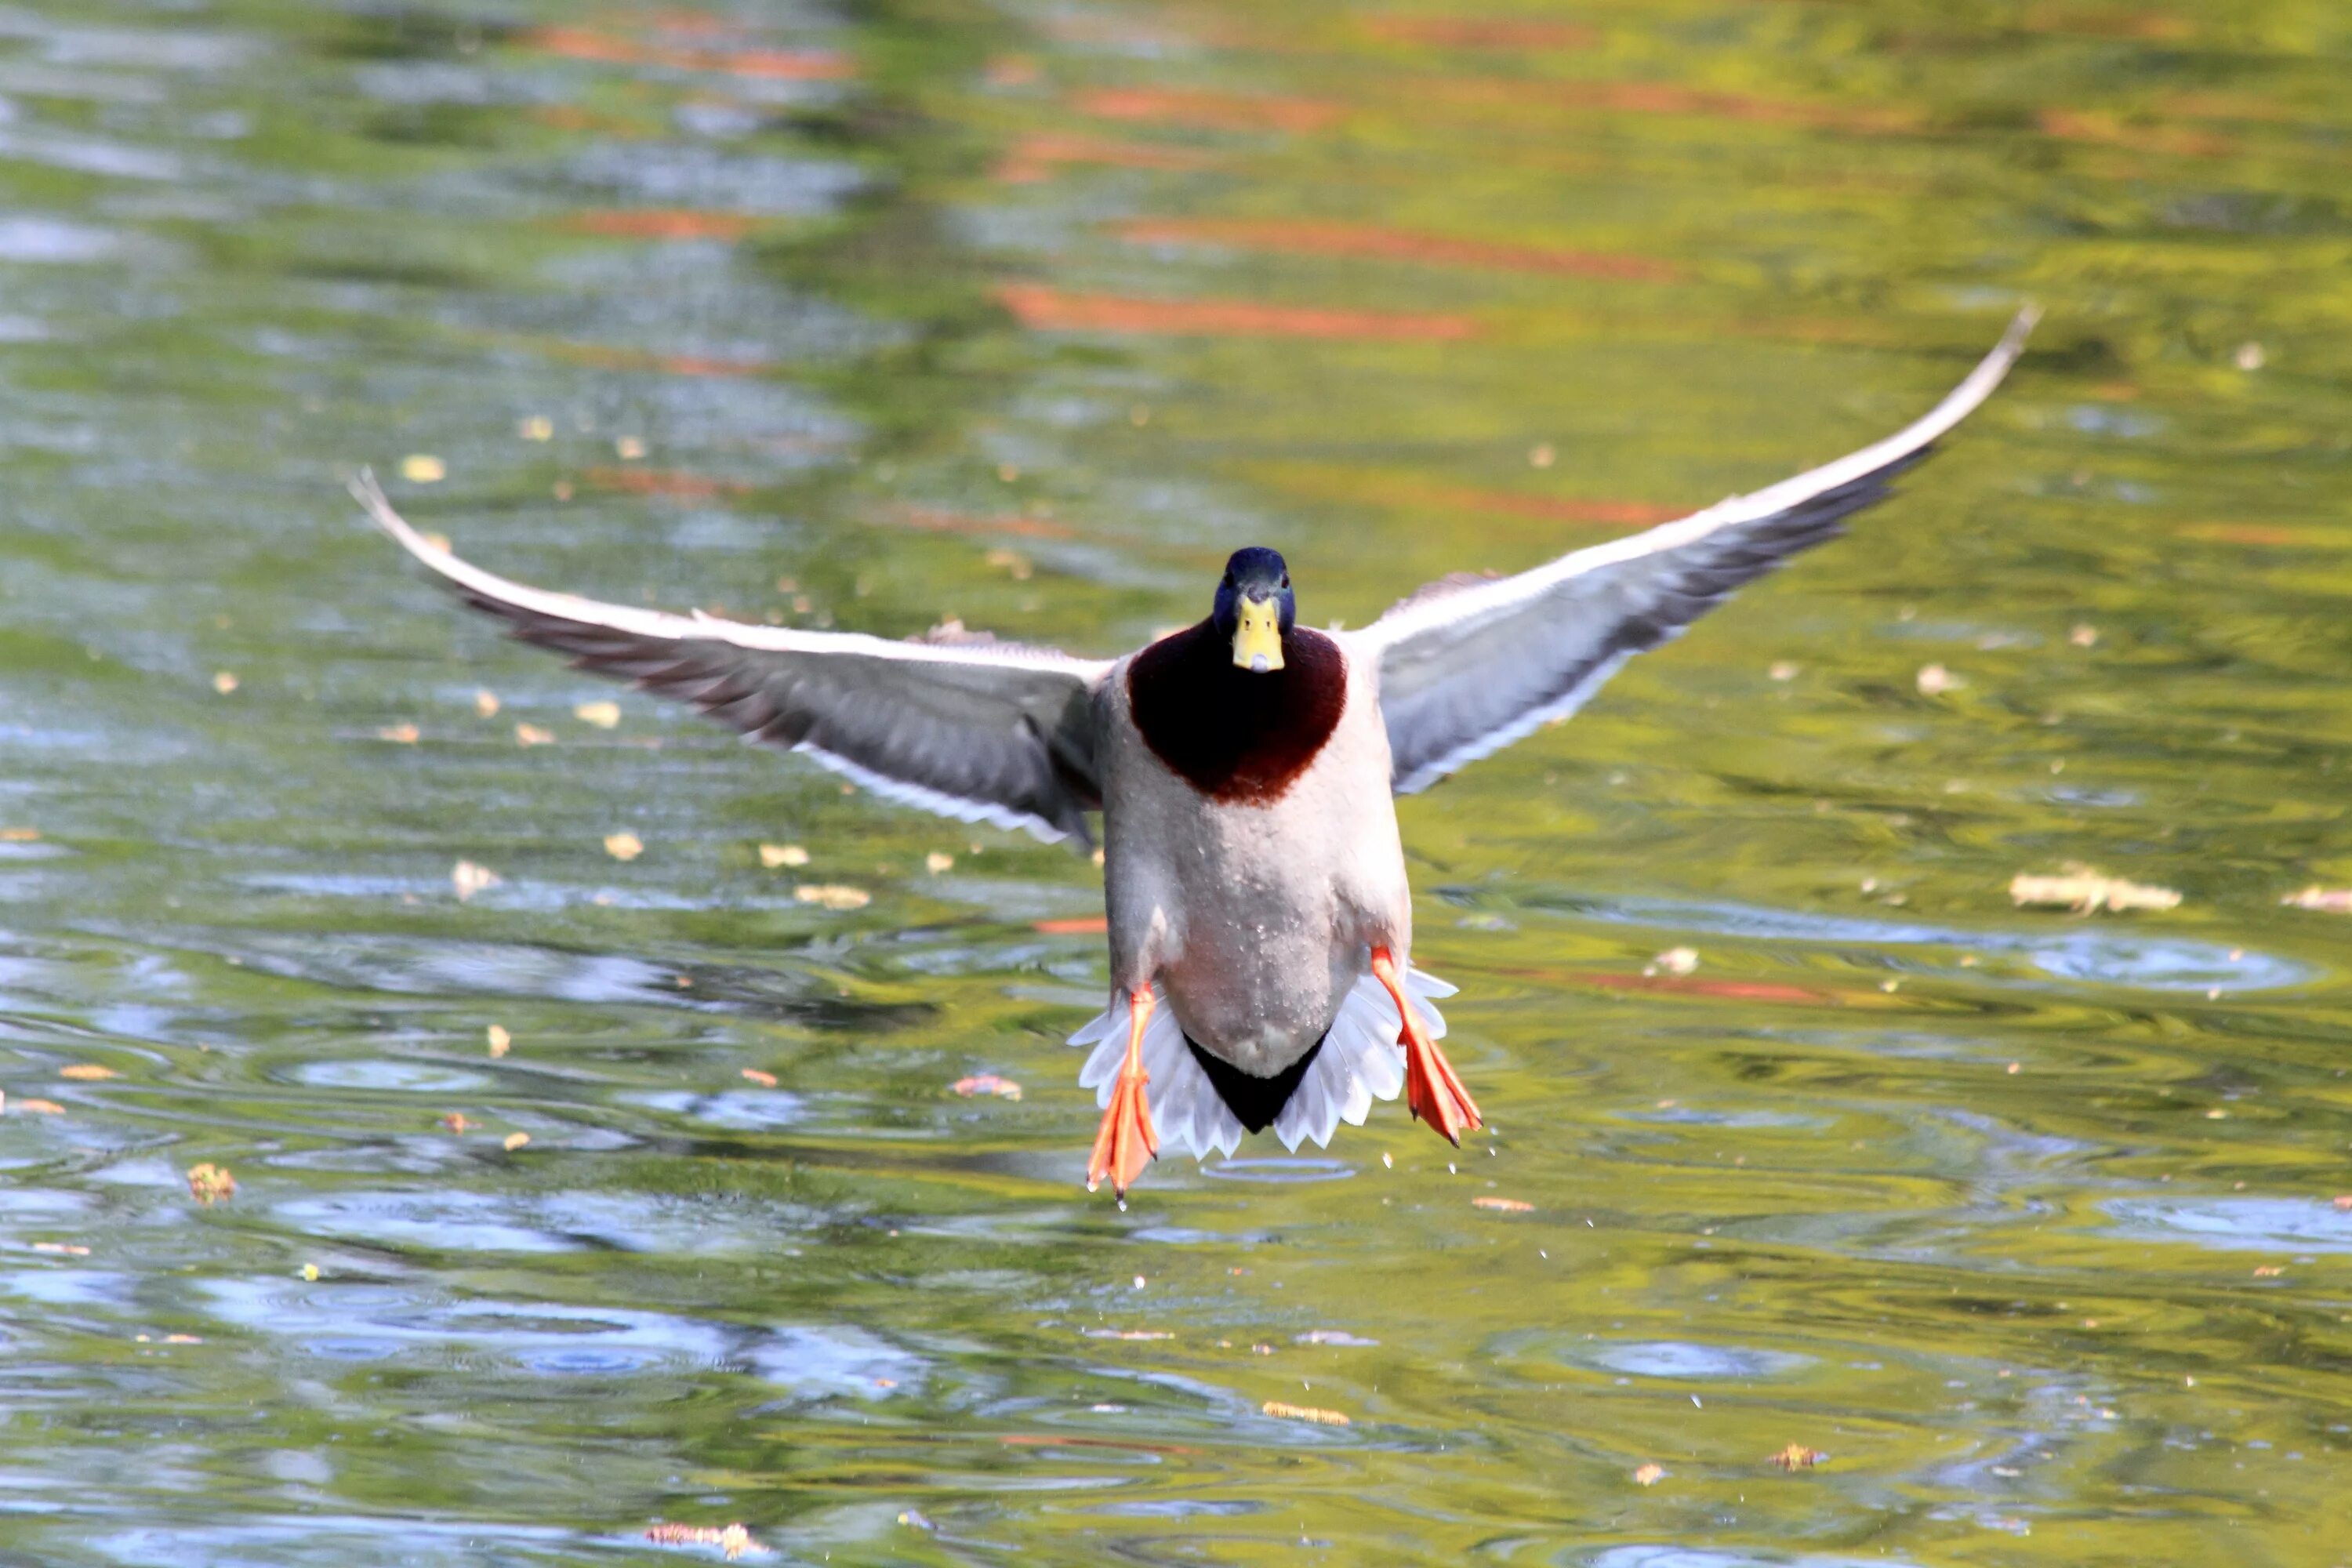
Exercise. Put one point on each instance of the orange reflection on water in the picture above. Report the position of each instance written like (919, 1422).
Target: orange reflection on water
(663, 222)
(1044, 309)
(1079, 925)
(2105, 129)
(1033, 158)
(1686, 985)
(2262, 533)
(1209, 110)
(604, 356)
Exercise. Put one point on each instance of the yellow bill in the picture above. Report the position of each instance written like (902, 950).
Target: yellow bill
(1257, 638)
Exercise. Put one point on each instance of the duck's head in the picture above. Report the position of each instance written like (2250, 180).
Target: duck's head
(1255, 608)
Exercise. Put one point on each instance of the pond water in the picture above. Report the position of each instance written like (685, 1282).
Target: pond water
(1027, 314)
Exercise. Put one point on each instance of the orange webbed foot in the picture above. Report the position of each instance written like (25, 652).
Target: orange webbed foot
(1127, 1142)
(1432, 1090)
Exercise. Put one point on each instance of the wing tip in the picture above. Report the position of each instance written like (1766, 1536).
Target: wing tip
(365, 490)
(2011, 346)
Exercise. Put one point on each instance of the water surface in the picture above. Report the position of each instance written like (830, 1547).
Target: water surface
(1027, 315)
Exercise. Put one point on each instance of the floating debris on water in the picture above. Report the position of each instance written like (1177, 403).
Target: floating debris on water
(772, 855)
(2087, 891)
(399, 734)
(624, 846)
(532, 735)
(764, 1079)
(1674, 960)
(1649, 1475)
(732, 1538)
(500, 1041)
(1933, 681)
(88, 1072)
(486, 703)
(423, 468)
(40, 1107)
(1503, 1205)
(603, 715)
(937, 861)
(1797, 1457)
(470, 878)
(455, 1122)
(986, 1083)
(209, 1183)
(2331, 901)
(224, 682)
(514, 1141)
(1304, 1413)
(833, 895)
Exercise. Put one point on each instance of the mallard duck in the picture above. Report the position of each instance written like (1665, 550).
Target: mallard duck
(1259, 916)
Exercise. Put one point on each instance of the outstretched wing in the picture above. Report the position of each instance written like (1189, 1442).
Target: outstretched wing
(1468, 666)
(979, 731)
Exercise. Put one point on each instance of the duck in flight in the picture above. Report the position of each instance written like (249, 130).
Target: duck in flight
(1246, 768)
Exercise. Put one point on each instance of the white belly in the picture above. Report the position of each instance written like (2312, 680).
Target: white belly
(1257, 919)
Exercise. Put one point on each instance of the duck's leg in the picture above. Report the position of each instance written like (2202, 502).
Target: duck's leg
(1431, 1088)
(1127, 1142)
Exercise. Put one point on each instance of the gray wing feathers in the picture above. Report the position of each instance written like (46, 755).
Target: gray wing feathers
(982, 732)
(1467, 667)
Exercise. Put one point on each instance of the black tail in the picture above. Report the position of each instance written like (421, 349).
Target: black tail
(1255, 1100)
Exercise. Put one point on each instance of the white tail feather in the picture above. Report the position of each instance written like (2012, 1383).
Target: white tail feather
(1360, 1063)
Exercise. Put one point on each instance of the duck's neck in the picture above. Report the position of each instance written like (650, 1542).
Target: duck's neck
(1235, 735)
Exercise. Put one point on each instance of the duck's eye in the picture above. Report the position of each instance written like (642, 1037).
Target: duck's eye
(1286, 579)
